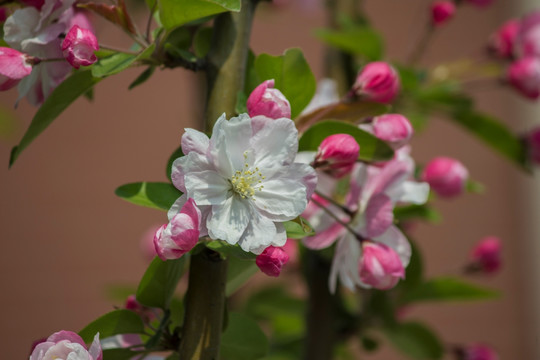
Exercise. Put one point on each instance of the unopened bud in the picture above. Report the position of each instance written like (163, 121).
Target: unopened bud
(79, 46)
(14, 66)
(378, 81)
(267, 101)
(442, 11)
(486, 255)
(447, 177)
(477, 352)
(271, 260)
(337, 154)
(524, 76)
(393, 128)
(380, 266)
(502, 42)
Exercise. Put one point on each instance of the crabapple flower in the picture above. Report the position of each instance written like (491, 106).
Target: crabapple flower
(528, 38)
(380, 266)
(486, 255)
(524, 76)
(14, 66)
(442, 11)
(502, 42)
(377, 81)
(446, 176)
(532, 140)
(67, 345)
(337, 155)
(395, 129)
(181, 234)
(271, 260)
(244, 180)
(78, 47)
(479, 352)
(267, 101)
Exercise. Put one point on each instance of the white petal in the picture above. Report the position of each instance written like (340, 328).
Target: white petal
(193, 162)
(196, 141)
(281, 199)
(259, 234)
(237, 134)
(281, 236)
(177, 206)
(20, 26)
(229, 220)
(411, 192)
(218, 149)
(345, 263)
(206, 187)
(276, 144)
(394, 238)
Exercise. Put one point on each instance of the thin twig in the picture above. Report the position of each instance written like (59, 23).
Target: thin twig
(333, 216)
(149, 22)
(343, 208)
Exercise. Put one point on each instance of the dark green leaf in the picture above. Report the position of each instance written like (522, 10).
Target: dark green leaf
(449, 289)
(415, 340)
(202, 41)
(243, 339)
(67, 92)
(270, 302)
(119, 354)
(380, 305)
(112, 64)
(371, 148)
(298, 228)
(174, 13)
(416, 212)
(145, 75)
(159, 282)
(177, 313)
(156, 195)
(414, 272)
(238, 272)
(369, 344)
(113, 323)
(444, 95)
(229, 250)
(241, 103)
(292, 76)
(357, 40)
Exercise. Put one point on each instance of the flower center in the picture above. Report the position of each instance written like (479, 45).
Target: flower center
(245, 182)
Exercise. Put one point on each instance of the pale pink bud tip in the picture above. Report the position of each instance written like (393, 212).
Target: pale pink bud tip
(442, 11)
(14, 66)
(480, 3)
(524, 76)
(79, 46)
(378, 81)
(67, 345)
(447, 177)
(337, 154)
(479, 352)
(267, 101)
(502, 42)
(271, 260)
(180, 235)
(486, 255)
(393, 128)
(533, 143)
(380, 266)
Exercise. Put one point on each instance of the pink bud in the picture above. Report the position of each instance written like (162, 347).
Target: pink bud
(480, 3)
(524, 76)
(337, 154)
(446, 176)
(486, 255)
(393, 128)
(143, 311)
(3, 14)
(271, 260)
(79, 46)
(442, 11)
(267, 101)
(380, 266)
(146, 243)
(503, 40)
(479, 352)
(533, 144)
(378, 81)
(14, 66)
(181, 234)
(528, 38)
(38, 4)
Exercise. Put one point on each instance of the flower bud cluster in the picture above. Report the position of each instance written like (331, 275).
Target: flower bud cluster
(378, 81)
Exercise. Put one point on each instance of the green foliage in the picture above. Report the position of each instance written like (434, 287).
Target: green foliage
(448, 289)
(298, 228)
(202, 41)
(66, 93)
(119, 354)
(415, 271)
(155, 195)
(356, 40)
(238, 272)
(143, 77)
(371, 148)
(292, 75)
(274, 301)
(118, 62)
(113, 323)
(417, 212)
(415, 340)
(174, 13)
(227, 250)
(159, 282)
(243, 339)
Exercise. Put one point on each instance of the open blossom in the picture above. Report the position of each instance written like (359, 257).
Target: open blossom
(272, 260)
(78, 47)
(377, 81)
(67, 345)
(337, 154)
(267, 101)
(524, 76)
(447, 177)
(528, 37)
(244, 180)
(14, 66)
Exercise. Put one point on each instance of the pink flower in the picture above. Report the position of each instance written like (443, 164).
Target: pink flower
(446, 176)
(528, 38)
(533, 143)
(380, 266)
(479, 352)
(503, 41)
(181, 234)
(486, 255)
(480, 3)
(271, 260)
(14, 66)
(337, 154)
(267, 101)
(524, 76)
(378, 81)
(393, 128)
(143, 311)
(79, 46)
(442, 11)
(67, 345)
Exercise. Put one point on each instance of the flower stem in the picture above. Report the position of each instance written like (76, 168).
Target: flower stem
(341, 222)
(421, 46)
(343, 208)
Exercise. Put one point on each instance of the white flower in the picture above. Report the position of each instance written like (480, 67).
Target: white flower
(244, 180)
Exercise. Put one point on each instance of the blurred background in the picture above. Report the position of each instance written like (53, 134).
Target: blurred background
(67, 238)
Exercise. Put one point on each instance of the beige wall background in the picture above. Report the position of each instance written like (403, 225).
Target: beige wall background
(66, 237)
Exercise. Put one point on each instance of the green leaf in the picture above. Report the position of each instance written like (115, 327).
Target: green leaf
(274, 301)
(449, 289)
(238, 272)
(371, 148)
(118, 62)
(155, 195)
(292, 76)
(357, 40)
(475, 187)
(415, 340)
(243, 339)
(119, 354)
(67, 92)
(159, 282)
(229, 250)
(298, 228)
(174, 13)
(113, 323)
(145, 75)
(241, 103)
(202, 41)
(416, 212)
(414, 272)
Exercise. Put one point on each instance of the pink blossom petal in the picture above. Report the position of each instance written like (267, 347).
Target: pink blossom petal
(379, 215)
